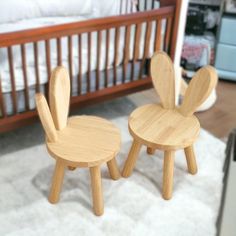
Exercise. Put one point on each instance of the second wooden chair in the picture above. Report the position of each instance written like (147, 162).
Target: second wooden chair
(166, 127)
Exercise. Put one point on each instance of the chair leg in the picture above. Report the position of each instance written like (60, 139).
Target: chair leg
(150, 150)
(113, 169)
(96, 184)
(191, 160)
(131, 160)
(168, 173)
(57, 181)
(71, 168)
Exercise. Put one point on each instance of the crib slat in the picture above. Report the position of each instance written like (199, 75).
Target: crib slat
(89, 61)
(116, 56)
(2, 101)
(98, 59)
(59, 58)
(107, 57)
(70, 61)
(48, 62)
(126, 51)
(12, 76)
(26, 90)
(136, 48)
(158, 37)
(167, 34)
(80, 63)
(36, 66)
(146, 48)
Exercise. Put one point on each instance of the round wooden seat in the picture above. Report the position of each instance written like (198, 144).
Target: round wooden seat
(86, 141)
(163, 129)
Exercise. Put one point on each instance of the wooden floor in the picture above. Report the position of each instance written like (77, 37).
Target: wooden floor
(219, 120)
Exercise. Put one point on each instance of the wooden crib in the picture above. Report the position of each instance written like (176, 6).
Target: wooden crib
(169, 10)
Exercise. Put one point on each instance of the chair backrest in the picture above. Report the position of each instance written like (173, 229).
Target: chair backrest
(163, 78)
(55, 118)
(59, 96)
(199, 89)
(45, 117)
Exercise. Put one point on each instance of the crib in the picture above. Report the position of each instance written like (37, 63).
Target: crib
(106, 58)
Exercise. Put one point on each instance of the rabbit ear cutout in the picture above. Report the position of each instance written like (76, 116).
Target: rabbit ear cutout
(59, 96)
(163, 78)
(199, 89)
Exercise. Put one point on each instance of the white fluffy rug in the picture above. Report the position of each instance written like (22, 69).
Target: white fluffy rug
(133, 206)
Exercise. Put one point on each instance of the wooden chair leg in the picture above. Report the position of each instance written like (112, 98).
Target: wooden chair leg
(150, 150)
(191, 160)
(71, 168)
(113, 169)
(96, 184)
(57, 181)
(131, 160)
(168, 174)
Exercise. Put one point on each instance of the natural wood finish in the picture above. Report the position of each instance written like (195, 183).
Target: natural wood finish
(2, 101)
(162, 126)
(191, 160)
(59, 97)
(99, 35)
(57, 181)
(96, 184)
(71, 168)
(126, 51)
(131, 160)
(59, 56)
(89, 42)
(80, 64)
(36, 66)
(86, 141)
(199, 89)
(107, 57)
(26, 90)
(163, 129)
(116, 54)
(151, 151)
(70, 60)
(113, 169)
(162, 67)
(81, 141)
(168, 175)
(12, 77)
(46, 118)
(158, 35)
(146, 48)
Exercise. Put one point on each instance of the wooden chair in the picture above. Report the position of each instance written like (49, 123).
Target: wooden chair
(166, 127)
(80, 141)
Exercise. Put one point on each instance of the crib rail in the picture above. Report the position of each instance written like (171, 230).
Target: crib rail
(123, 36)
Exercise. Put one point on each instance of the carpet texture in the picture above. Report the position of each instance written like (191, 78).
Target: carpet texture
(133, 206)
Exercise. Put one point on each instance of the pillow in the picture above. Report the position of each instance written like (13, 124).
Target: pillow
(64, 7)
(104, 8)
(15, 10)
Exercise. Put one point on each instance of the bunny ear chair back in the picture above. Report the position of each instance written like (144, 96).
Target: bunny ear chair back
(166, 127)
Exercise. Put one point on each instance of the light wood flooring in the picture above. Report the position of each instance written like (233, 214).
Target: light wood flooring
(219, 120)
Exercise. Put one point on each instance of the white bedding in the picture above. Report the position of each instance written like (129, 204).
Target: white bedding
(38, 22)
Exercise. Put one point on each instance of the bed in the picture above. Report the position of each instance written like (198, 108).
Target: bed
(106, 50)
